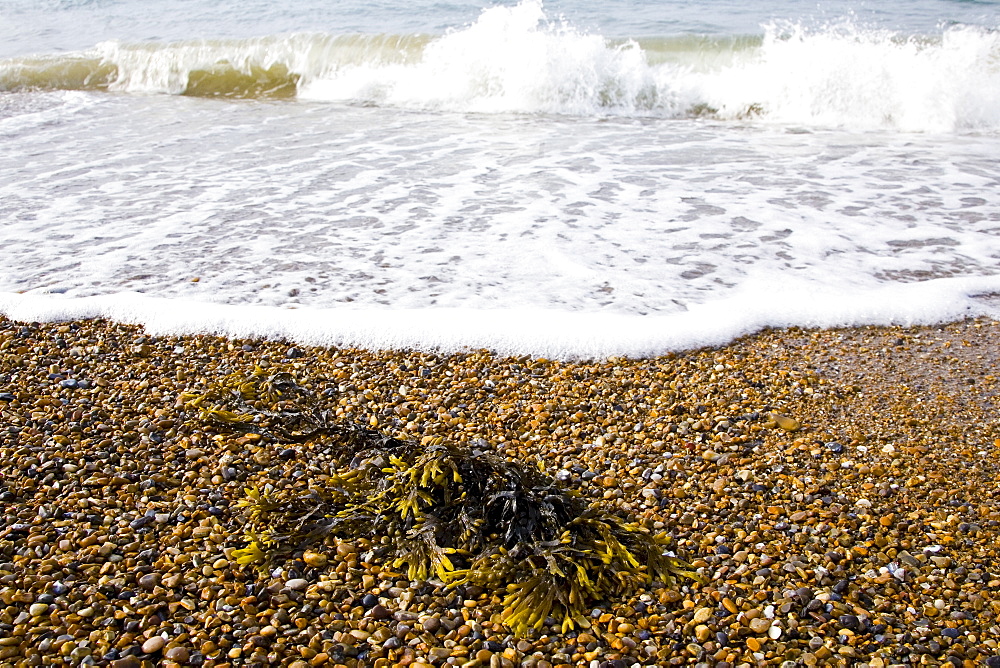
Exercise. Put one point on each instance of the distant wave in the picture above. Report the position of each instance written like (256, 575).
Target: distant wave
(516, 60)
(248, 68)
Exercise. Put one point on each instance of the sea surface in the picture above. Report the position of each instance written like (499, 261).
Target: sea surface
(568, 179)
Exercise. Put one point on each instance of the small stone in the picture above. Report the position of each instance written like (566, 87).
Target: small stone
(785, 422)
(702, 615)
(178, 654)
(431, 624)
(153, 645)
(126, 662)
(297, 584)
(439, 653)
(149, 580)
(380, 612)
(38, 609)
(760, 625)
(315, 559)
(850, 622)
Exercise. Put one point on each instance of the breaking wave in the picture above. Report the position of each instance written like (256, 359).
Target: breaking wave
(519, 60)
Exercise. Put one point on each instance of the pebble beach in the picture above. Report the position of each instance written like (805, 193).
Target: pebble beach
(836, 489)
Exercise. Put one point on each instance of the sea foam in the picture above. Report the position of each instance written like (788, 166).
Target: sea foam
(517, 59)
(543, 333)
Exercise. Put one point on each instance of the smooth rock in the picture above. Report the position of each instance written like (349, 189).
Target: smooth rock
(153, 645)
(178, 654)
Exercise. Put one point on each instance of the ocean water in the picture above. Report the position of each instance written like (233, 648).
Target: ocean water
(571, 179)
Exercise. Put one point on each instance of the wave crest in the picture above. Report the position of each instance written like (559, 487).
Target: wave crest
(519, 60)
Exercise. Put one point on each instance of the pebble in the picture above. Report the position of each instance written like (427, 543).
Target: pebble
(126, 662)
(380, 612)
(702, 615)
(315, 559)
(149, 580)
(178, 654)
(116, 499)
(786, 423)
(153, 645)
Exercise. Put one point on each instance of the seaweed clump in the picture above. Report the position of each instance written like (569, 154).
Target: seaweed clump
(270, 404)
(460, 515)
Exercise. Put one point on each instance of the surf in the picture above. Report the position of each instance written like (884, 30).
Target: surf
(519, 59)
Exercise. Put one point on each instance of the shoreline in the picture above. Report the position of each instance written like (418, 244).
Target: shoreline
(836, 487)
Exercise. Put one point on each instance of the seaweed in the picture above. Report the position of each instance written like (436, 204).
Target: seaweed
(273, 405)
(460, 515)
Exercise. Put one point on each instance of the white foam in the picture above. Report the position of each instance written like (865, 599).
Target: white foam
(545, 333)
(846, 76)
(315, 207)
(516, 59)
